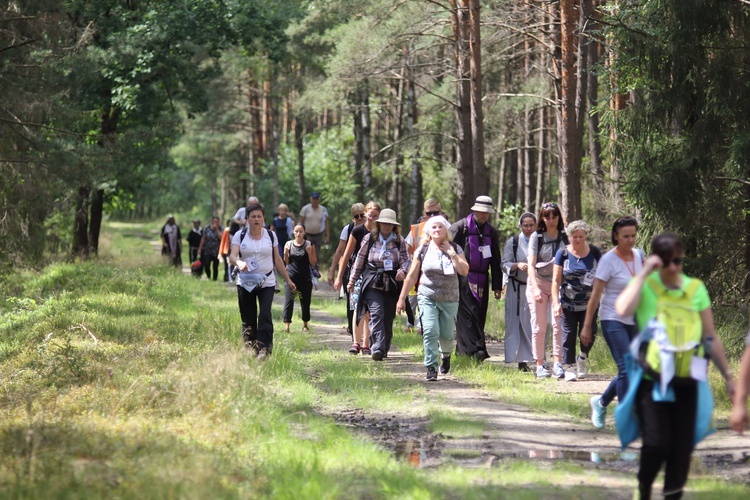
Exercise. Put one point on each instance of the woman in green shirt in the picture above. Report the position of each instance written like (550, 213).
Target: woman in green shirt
(666, 401)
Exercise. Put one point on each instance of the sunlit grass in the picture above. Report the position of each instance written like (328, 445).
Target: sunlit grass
(122, 377)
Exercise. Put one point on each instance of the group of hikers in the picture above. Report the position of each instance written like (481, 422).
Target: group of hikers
(656, 321)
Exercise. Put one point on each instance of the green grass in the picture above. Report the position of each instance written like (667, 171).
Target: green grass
(122, 377)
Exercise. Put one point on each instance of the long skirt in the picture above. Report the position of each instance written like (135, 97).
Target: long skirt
(517, 324)
(470, 320)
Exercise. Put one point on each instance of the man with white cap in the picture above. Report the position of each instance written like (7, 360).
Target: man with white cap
(481, 244)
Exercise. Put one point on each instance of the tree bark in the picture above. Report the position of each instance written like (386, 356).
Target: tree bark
(301, 191)
(570, 144)
(593, 48)
(481, 176)
(95, 225)
(540, 163)
(80, 246)
(415, 191)
(464, 162)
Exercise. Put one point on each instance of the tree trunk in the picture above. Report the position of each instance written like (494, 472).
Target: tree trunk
(570, 144)
(80, 228)
(481, 176)
(301, 191)
(501, 181)
(366, 128)
(540, 163)
(394, 196)
(593, 48)
(95, 225)
(526, 158)
(464, 162)
(415, 191)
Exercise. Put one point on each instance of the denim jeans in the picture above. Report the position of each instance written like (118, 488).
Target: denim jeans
(618, 336)
(438, 319)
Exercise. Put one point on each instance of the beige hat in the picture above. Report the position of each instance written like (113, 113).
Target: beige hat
(388, 216)
(483, 204)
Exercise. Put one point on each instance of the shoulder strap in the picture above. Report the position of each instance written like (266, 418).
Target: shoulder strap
(597, 252)
(244, 232)
(515, 248)
(565, 253)
(564, 237)
(349, 229)
(539, 241)
(423, 251)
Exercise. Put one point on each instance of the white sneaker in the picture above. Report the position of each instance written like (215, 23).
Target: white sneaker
(558, 370)
(582, 366)
(541, 372)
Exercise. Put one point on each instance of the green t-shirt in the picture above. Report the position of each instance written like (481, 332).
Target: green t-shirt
(647, 307)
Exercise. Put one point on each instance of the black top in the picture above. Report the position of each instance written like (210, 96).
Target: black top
(358, 233)
(299, 261)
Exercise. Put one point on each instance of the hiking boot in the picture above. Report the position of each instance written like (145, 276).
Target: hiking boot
(582, 365)
(431, 373)
(541, 372)
(598, 412)
(377, 355)
(524, 367)
(445, 366)
(558, 370)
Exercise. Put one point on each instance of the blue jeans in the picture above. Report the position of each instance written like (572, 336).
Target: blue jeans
(618, 336)
(438, 319)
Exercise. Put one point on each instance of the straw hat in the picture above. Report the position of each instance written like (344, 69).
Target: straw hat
(483, 204)
(388, 216)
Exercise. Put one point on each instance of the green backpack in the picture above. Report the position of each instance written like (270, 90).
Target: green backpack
(682, 323)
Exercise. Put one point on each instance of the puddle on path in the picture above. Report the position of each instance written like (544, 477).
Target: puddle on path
(416, 454)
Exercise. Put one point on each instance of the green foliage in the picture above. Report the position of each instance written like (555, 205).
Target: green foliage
(683, 139)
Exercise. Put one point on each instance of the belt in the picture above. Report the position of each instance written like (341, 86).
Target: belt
(314, 234)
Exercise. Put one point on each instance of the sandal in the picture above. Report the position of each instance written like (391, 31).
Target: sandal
(305, 329)
(366, 350)
(354, 348)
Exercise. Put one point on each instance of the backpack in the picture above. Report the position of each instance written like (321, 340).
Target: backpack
(423, 252)
(244, 232)
(562, 235)
(683, 328)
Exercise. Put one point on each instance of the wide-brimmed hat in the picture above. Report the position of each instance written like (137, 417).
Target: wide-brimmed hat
(388, 216)
(483, 204)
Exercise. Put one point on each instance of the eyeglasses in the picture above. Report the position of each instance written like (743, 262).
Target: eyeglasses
(433, 213)
(546, 206)
(358, 216)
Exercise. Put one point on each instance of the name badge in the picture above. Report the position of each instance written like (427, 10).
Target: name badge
(486, 251)
(448, 266)
(251, 265)
(699, 368)
(388, 265)
(588, 280)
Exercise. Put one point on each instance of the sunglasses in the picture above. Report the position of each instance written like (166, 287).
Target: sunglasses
(677, 261)
(546, 206)
(433, 213)
(358, 216)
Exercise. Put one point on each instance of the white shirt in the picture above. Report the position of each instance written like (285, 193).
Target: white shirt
(616, 274)
(345, 233)
(262, 251)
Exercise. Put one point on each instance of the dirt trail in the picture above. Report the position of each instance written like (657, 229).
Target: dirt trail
(511, 431)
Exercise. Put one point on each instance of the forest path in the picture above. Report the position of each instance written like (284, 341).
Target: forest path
(510, 431)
